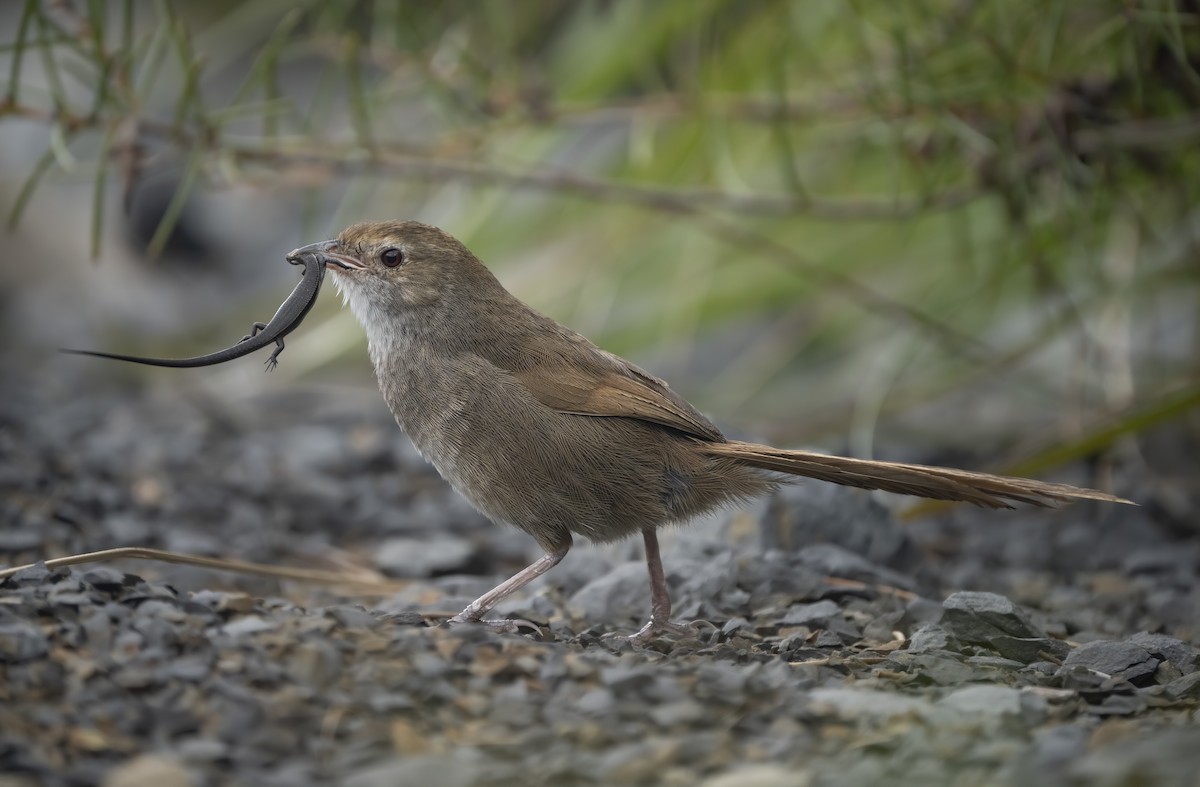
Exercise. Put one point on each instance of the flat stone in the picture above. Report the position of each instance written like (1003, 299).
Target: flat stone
(1029, 649)
(1185, 688)
(994, 662)
(978, 617)
(1115, 659)
(1182, 655)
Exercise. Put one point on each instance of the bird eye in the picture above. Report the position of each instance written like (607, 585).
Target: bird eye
(391, 257)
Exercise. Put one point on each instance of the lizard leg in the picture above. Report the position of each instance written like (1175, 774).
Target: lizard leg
(254, 329)
(272, 362)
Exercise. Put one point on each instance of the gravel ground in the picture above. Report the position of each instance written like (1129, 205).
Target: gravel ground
(837, 647)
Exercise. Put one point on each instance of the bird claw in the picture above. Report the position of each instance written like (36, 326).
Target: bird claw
(654, 627)
(500, 626)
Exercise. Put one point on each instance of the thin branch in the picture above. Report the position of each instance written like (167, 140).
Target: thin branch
(218, 564)
(354, 161)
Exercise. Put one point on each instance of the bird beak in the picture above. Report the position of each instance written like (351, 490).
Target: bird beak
(330, 251)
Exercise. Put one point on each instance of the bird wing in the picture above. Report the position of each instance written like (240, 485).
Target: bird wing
(599, 383)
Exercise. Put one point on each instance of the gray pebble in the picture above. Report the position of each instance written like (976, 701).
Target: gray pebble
(598, 702)
(943, 670)
(422, 557)
(36, 574)
(411, 618)
(201, 749)
(315, 664)
(815, 614)
(21, 641)
(851, 703)
(249, 624)
(351, 617)
(931, 637)
(192, 669)
(619, 594)
(106, 579)
(460, 769)
(19, 540)
(146, 769)
(997, 701)
(676, 714)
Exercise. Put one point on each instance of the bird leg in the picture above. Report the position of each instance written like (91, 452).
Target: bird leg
(475, 611)
(660, 598)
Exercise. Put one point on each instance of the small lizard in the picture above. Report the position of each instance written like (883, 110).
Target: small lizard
(291, 312)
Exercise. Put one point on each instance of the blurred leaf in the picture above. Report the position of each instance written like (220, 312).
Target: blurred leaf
(18, 51)
(28, 187)
(174, 210)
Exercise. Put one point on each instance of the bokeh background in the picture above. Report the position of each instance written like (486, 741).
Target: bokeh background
(950, 230)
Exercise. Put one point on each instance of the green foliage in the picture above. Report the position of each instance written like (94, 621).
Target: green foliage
(871, 205)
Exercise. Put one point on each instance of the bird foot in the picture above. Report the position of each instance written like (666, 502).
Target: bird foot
(655, 627)
(499, 626)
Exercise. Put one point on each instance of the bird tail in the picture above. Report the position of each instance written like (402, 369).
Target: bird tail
(939, 483)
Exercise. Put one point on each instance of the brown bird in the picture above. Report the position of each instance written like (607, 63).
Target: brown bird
(540, 428)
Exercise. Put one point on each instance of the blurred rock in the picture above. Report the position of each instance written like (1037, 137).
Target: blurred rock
(810, 513)
(149, 769)
(423, 557)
